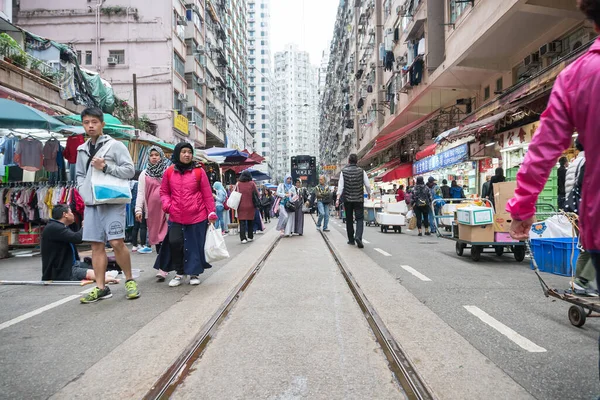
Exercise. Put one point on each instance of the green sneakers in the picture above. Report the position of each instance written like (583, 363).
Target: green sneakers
(96, 294)
(132, 290)
(101, 294)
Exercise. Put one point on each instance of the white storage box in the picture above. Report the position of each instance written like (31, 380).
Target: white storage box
(474, 216)
(396, 208)
(386, 219)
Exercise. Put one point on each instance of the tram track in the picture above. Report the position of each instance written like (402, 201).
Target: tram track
(399, 364)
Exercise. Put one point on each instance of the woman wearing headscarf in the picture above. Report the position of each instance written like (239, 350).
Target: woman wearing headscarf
(246, 210)
(186, 197)
(220, 199)
(147, 203)
(287, 193)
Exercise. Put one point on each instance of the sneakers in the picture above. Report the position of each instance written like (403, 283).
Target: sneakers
(244, 241)
(420, 234)
(177, 281)
(250, 240)
(132, 290)
(134, 249)
(194, 280)
(161, 275)
(96, 294)
(145, 250)
(578, 284)
(326, 230)
(318, 228)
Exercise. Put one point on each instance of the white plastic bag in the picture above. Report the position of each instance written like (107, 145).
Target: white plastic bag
(106, 188)
(233, 201)
(557, 226)
(214, 247)
(410, 214)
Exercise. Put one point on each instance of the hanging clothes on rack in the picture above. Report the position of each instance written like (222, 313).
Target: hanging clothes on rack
(8, 149)
(50, 153)
(28, 154)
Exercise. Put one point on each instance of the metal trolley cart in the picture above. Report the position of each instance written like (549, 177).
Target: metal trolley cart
(476, 248)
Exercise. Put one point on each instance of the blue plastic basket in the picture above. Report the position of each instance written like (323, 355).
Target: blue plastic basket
(554, 255)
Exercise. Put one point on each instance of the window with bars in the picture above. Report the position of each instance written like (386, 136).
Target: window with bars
(457, 8)
(179, 64)
(118, 54)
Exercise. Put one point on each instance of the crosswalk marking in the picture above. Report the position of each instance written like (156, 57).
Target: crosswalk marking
(385, 253)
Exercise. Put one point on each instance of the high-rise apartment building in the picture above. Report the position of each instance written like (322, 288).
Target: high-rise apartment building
(189, 58)
(260, 81)
(296, 103)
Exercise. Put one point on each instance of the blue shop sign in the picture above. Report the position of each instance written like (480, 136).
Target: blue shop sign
(444, 159)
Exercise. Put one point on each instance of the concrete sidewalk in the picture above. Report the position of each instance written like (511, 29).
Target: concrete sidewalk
(297, 332)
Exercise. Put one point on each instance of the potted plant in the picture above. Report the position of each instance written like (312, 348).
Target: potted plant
(35, 66)
(20, 60)
(49, 76)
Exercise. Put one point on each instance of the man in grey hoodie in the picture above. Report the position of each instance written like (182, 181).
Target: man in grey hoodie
(103, 222)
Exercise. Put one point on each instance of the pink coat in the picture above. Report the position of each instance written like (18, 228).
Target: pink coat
(186, 200)
(574, 105)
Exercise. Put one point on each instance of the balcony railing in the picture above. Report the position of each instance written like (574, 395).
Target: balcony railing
(19, 58)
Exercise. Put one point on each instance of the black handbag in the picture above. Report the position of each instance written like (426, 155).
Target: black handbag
(290, 206)
(573, 200)
(255, 199)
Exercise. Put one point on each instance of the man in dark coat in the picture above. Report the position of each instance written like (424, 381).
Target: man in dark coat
(353, 183)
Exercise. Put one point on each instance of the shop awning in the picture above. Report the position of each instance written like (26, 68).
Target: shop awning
(387, 165)
(428, 151)
(486, 124)
(385, 142)
(14, 115)
(400, 172)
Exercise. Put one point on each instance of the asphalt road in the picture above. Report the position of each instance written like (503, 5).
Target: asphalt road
(41, 354)
(555, 360)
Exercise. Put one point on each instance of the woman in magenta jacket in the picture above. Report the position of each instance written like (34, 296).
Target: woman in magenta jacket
(187, 198)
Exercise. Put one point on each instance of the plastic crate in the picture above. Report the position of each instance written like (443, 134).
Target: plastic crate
(554, 255)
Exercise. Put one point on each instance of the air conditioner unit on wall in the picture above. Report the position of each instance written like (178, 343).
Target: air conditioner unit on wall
(182, 21)
(112, 60)
(551, 49)
(532, 60)
(373, 65)
(182, 97)
(200, 50)
(383, 88)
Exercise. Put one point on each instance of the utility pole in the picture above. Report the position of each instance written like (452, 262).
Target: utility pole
(135, 104)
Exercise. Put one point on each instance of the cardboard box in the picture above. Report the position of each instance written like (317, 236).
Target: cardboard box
(502, 222)
(481, 233)
(503, 237)
(503, 192)
(474, 215)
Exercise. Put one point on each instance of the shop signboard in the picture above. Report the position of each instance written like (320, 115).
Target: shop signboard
(181, 123)
(442, 160)
(518, 136)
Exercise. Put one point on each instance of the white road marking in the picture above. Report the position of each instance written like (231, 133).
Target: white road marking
(366, 241)
(415, 273)
(40, 310)
(382, 252)
(521, 341)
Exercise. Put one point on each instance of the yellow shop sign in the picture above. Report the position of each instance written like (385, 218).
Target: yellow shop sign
(181, 123)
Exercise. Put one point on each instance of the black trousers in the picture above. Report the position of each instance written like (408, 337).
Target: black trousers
(142, 229)
(356, 210)
(176, 242)
(422, 214)
(266, 212)
(246, 227)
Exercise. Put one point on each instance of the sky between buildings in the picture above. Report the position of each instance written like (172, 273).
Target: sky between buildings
(308, 23)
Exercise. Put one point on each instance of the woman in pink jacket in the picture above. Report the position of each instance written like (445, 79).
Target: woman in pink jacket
(186, 197)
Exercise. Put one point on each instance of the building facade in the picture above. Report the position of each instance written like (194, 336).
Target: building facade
(417, 68)
(188, 57)
(296, 108)
(260, 81)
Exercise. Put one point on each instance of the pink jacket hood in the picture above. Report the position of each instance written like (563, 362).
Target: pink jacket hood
(573, 106)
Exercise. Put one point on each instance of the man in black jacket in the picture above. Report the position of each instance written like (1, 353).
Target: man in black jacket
(60, 260)
(352, 185)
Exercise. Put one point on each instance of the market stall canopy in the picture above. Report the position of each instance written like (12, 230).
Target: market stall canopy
(228, 156)
(387, 165)
(254, 156)
(400, 172)
(270, 186)
(426, 152)
(474, 128)
(385, 142)
(14, 115)
(258, 175)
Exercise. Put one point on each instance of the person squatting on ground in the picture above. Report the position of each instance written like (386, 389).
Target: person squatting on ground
(104, 221)
(323, 197)
(60, 259)
(186, 197)
(573, 105)
(421, 200)
(287, 213)
(220, 200)
(246, 210)
(148, 207)
(353, 183)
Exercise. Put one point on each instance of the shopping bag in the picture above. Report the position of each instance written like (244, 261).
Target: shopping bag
(106, 188)
(233, 201)
(412, 223)
(214, 247)
(410, 214)
(557, 226)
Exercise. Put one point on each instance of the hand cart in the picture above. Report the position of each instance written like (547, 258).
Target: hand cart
(477, 248)
(583, 306)
(371, 210)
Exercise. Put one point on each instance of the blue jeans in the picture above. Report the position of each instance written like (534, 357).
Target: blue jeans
(323, 212)
(220, 223)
